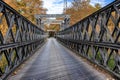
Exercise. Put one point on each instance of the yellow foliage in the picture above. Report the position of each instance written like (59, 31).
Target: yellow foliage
(27, 8)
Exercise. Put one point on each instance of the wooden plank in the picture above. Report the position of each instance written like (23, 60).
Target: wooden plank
(55, 62)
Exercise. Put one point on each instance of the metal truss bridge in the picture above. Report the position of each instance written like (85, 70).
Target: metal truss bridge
(88, 50)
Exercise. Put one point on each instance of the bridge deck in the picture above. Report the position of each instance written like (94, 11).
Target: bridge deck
(55, 62)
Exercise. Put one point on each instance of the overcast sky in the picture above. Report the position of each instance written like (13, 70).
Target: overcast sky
(56, 6)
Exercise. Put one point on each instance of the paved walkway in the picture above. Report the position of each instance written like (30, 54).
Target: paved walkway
(55, 62)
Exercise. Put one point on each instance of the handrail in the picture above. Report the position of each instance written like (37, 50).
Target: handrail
(95, 39)
(19, 39)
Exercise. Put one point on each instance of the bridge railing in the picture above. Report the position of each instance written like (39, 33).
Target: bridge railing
(19, 38)
(97, 37)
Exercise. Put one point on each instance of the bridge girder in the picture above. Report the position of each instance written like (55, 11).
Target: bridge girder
(63, 23)
(52, 21)
(51, 15)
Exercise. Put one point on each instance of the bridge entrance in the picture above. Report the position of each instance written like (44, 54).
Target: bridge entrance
(55, 19)
(51, 33)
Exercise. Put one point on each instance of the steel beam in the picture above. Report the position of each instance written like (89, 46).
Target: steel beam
(95, 39)
(19, 38)
(51, 16)
(50, 21)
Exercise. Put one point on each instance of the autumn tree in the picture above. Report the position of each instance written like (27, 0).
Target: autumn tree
(28, 8)
(55, 27)
(97, 5)
(80, 9)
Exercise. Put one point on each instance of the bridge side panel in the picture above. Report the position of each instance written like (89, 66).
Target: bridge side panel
(97, 37)
(19, 38)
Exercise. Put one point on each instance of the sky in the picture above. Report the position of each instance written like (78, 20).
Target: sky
(56, 6)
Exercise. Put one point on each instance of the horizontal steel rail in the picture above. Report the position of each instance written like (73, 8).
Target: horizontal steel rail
(19, 38)
(97, 38)
(52, 15)
(100, 44)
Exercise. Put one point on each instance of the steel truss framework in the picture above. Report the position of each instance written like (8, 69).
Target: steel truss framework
(52, 15)
(63, 24)
(19, 41)
(52, 21)
(94, 39)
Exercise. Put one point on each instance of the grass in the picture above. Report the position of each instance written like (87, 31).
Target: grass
(111, 62)
(3, 60)
(3, 63)
(98, 56)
